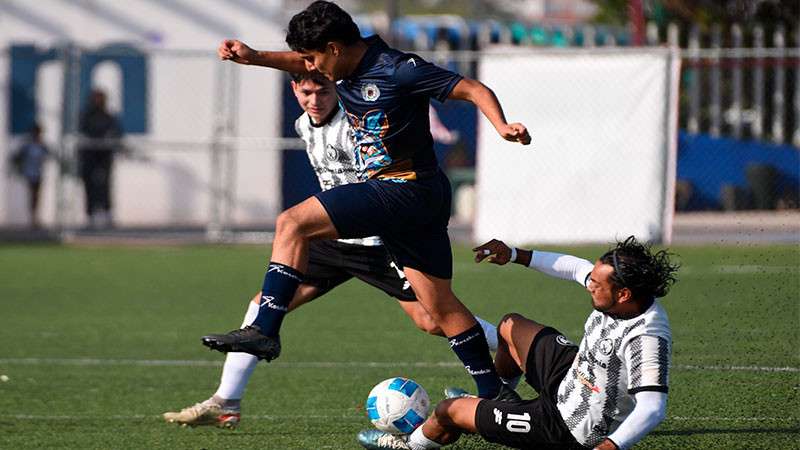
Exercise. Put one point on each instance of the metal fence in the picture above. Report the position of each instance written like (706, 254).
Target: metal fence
(210, 145)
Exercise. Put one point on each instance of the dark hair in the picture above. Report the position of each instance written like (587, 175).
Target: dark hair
(320, 23)
(647, 275)
(316, 78)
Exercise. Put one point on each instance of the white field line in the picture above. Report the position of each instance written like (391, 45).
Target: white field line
(358, 417)
(319, 364)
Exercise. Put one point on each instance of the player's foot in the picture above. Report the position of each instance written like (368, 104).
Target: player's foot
(205, 413)
(378, 440)
(248, 340)
(507, 394)
(454, 392)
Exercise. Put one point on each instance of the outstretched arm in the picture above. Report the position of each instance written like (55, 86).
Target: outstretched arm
(239, 52)
(483, 97)
(566, 267)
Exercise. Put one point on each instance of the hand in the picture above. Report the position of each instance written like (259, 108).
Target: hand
(515, 132)
(235, 51)
(608, 444)
(494, 247)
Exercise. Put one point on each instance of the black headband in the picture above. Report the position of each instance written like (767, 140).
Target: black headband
(616, 268)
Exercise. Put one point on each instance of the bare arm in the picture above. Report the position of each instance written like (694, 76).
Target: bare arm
(239, 52)
(483, 97)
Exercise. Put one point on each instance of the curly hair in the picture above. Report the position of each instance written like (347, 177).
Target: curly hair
(320, 23)
(646, 274)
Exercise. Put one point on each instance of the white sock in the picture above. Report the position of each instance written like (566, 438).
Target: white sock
(491, 333)
(238, 367)
(418, 441)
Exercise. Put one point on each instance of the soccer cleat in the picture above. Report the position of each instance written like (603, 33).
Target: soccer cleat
(248, 340)
(454, 392)
(205, 413)
(378, 440)
(507, 394)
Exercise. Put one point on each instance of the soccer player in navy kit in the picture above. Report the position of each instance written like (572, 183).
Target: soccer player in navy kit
(405, 198)
(329, 146)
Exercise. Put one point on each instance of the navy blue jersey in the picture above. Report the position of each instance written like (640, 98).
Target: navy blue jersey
(386, 99)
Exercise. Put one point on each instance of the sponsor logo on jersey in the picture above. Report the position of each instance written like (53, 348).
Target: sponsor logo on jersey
(370, 92)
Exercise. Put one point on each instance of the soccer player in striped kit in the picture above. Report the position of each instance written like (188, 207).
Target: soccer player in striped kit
(607, 393)
(330, 149)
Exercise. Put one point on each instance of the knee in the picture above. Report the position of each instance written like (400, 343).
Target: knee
(287, 223)
(506, 324)
(428, 325)
(443, 413)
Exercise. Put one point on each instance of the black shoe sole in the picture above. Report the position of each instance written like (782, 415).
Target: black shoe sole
(228, 348)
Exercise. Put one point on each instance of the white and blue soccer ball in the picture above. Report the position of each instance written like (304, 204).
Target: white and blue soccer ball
(397, 405)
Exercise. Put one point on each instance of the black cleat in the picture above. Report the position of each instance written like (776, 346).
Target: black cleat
(507, 394)
(248, 340)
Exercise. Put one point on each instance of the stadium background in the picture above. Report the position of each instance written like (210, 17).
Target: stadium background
(210, 147)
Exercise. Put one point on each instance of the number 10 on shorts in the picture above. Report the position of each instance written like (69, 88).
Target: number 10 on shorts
(515, 423)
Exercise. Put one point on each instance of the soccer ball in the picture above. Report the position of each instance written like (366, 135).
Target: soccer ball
(397, 405)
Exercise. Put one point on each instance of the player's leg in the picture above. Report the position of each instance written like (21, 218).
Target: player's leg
(416, 216)
(449, 419)
(223, 409)
(424, 321)
(466, 336)
(373, 265)
(295, 228)
(515, 336)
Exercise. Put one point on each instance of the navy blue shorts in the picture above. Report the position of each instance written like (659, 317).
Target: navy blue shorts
(410, 217)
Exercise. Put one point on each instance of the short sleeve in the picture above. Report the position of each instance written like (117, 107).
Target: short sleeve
(416, 76)
(648, 359)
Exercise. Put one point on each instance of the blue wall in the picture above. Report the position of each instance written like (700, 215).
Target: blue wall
(711, 163)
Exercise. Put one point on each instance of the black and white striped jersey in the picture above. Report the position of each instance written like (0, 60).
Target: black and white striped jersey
(616, 358)
(331, 152)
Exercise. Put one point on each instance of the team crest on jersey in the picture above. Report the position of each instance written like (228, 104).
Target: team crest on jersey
(370, 92)
(561, 339)
(331, 153)
(606, 346)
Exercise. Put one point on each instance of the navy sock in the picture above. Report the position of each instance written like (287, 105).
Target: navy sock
(472, 349)
(280, 283)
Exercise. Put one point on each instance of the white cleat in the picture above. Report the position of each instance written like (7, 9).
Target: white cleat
(205, 413)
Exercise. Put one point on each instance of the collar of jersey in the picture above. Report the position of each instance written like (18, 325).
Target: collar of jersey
(327, 119)
(376, 45)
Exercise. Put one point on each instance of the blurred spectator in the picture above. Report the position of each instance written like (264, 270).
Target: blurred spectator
(100, 140)
(27, 161)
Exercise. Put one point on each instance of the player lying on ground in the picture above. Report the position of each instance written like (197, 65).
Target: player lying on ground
(330, 151)
(405, 198)
(608, 393)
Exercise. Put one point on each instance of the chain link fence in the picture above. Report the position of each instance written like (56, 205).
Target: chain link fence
(212, 146)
